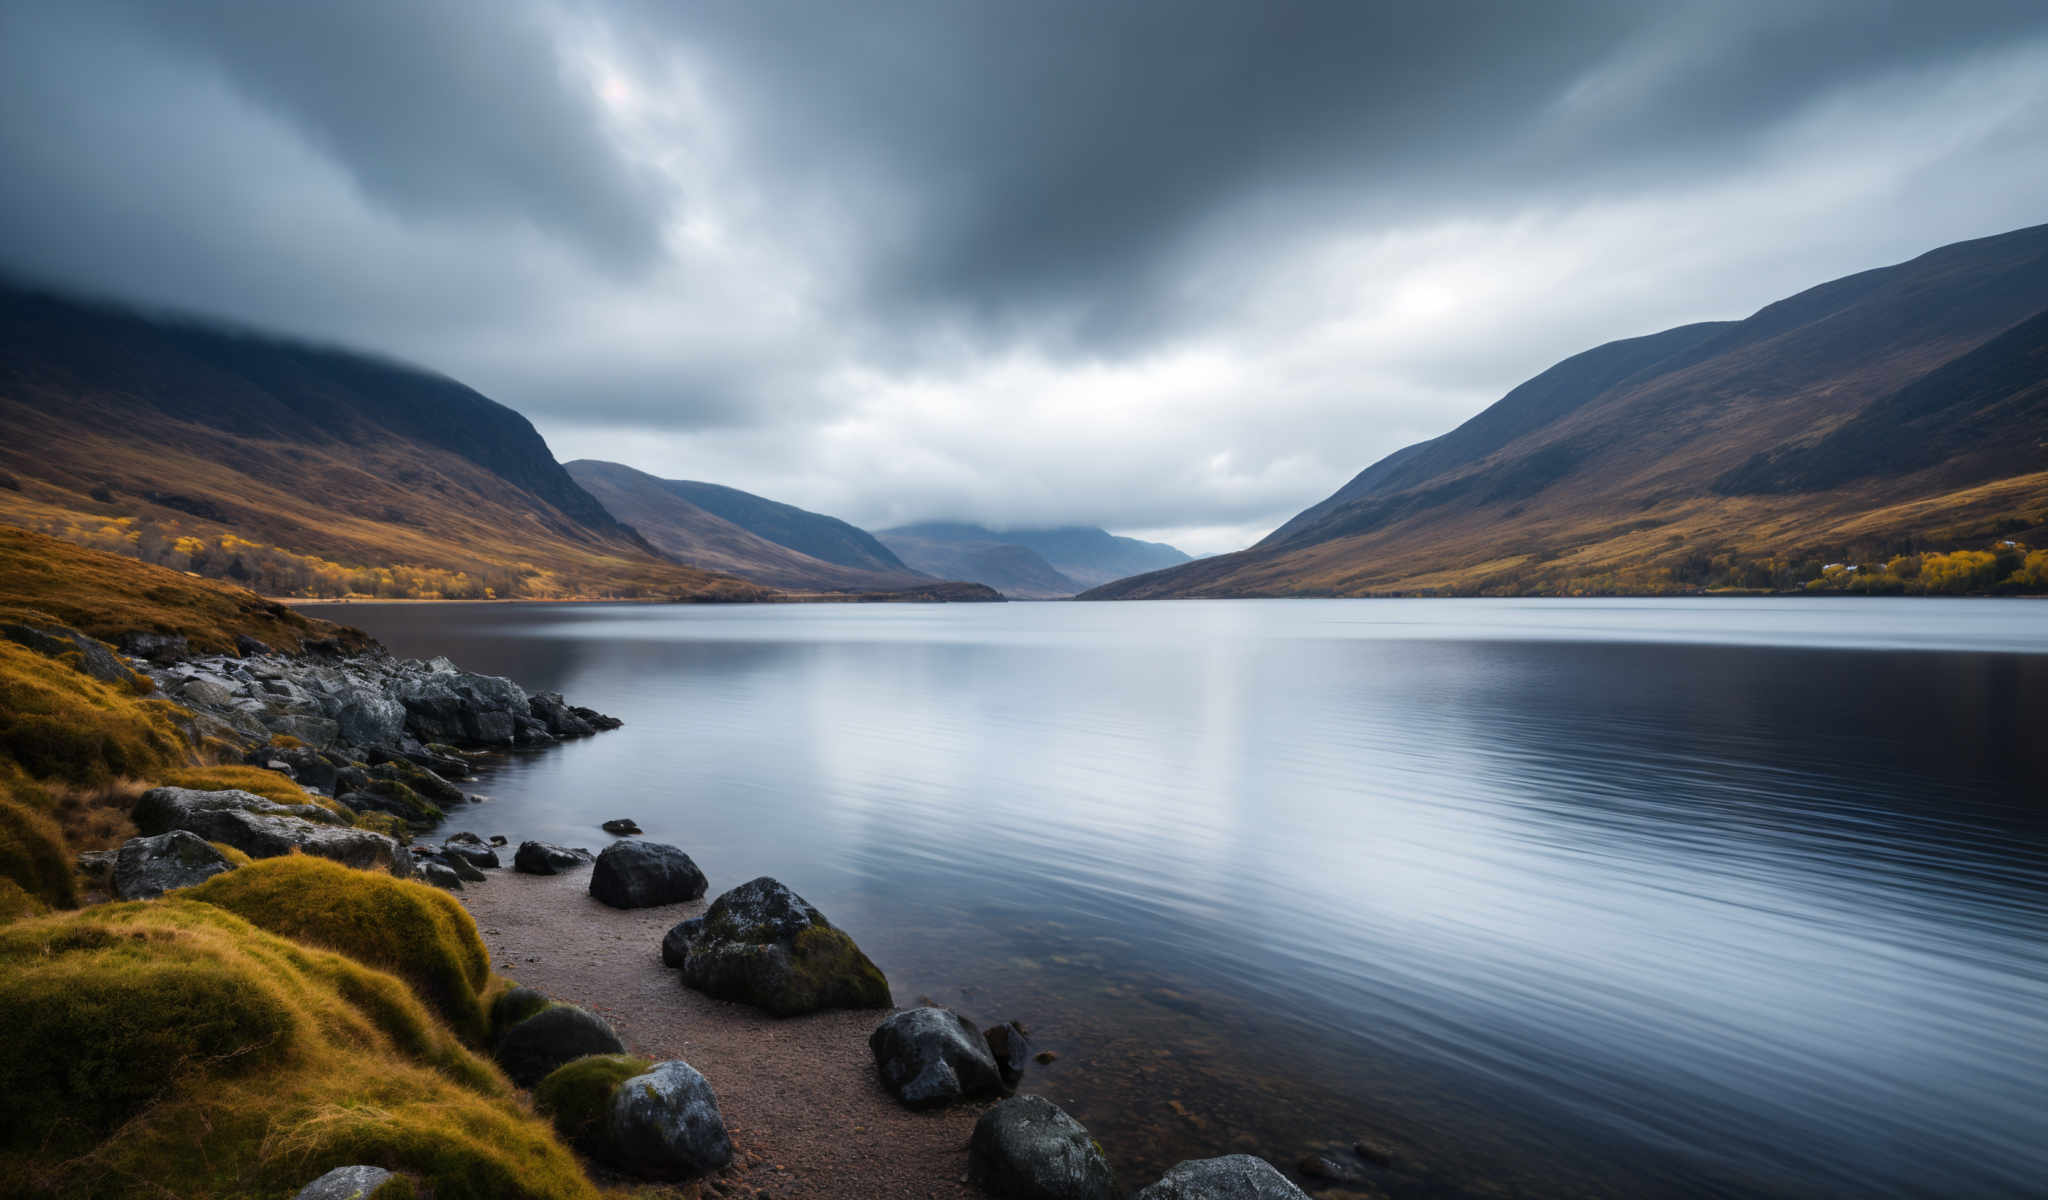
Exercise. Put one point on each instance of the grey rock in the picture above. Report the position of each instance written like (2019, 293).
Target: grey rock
(157, 647)
(475, 856)
(441, 875)
(262, 828)
(546, 858)
(645, 874)
(931, 1057)
(536, 1046)
(345, 1183)
(764, 945)
(622, 827)
(464, 869)
(666, 1125)
(147, 867)
(1028, 1148)
(1232, 1177)
(514, 1005)
(1012, 1051)
(96, 658)
(163, 809)
(316, 731)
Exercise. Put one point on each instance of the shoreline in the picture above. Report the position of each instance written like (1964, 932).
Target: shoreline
(808, 1118)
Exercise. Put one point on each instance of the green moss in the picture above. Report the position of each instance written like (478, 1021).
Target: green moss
(577, 1095)
(386, 824)
(398, 1187)
(32, 855)
(418, 933)
(827, 970)
(417, 808)
(510, 1004)
(171, 1048)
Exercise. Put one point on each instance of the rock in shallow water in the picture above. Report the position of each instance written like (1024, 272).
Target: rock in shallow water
(1028, 1148)
(147, 867)
(537, 1045)
(666, 1125)
(645, 874)
(930, 1057)
(546, 858)
(1232, 1177)
(764, 945)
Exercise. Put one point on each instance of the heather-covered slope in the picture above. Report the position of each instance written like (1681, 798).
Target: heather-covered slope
(827, 539)
(293, 468)
(1894, 410)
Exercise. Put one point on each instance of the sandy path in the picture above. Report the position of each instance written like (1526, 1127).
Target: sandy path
(807, 1116)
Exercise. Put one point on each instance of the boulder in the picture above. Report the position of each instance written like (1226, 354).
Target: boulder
(463, 868)
(441, 875)
(147, 867)
(475, 856)
(1012, 1051)
(514, 1005)
(536, 1046)
(644, 874)
(764, 945)
(346, 1183)
(1232, 1177)
(95, 658)
(666, 1125)
(261, 828)
(1028, 1148)
(317, 732)
(557, 716)
(157, 647)
(622, 827)
(546, 858)
(931, 1057)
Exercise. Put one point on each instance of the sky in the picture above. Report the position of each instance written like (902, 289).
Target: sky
(1175, 268)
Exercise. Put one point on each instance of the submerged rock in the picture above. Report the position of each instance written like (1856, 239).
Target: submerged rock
(665, 1124)
(147, 867)
(764, 945)
(1012, 1050)
(537, 1045)
(1232, 1177)
(1028, 1148)
(930, 1057)
(346, 1183)
(546, 858)
(645, 874)
(622, 827)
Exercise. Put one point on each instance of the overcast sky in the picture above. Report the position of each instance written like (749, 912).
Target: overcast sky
(1178, 269)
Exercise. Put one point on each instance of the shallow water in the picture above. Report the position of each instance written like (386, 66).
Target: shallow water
(1739, 897)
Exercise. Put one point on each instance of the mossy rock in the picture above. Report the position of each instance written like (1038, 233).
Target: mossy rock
(261, 781)
(386, 824)
(422, 935)
(169, 1047)
(510, 1004)
(764, 945)
(578, 1095)
(62, 726)
(401, 800)
(32, 855)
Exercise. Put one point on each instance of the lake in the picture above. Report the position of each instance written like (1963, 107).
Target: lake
(1601, 897)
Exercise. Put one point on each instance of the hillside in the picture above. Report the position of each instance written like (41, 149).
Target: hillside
(827, 539)
(687, 532)
(295, 469)
(958, 551)
(1896, 410)
(1091, 556)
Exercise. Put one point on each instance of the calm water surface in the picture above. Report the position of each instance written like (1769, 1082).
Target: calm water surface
(1741, 897)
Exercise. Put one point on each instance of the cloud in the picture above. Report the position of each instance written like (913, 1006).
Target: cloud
(1162, 266)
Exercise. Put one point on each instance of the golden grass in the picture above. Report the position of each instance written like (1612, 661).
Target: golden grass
(172, 1048)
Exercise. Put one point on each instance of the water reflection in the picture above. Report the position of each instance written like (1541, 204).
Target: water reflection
(1628, 898)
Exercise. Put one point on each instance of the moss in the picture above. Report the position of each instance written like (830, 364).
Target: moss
(16, 903)
(269, 784)
(417, 808)
(171, 1048)
(576, 1096)
(386, 824)
(32, 855)
(59, 725)
(828, 970)
(285, 741)
(398, 1187)
(419, 933)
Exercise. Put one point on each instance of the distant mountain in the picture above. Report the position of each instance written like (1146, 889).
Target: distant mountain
(1091, 556)
(292, 468)
(821, 537)
(1896, 409)
(658, 509)
(971, 552)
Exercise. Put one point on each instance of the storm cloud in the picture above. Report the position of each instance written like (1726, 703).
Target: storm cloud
(1175, 268)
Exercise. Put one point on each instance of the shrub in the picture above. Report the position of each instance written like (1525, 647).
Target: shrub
(577, 1095)
(419, 933)
(171, 1048)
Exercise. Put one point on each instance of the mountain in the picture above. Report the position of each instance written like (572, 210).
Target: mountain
(828, 539)
(295, 469)
(958, 551)
(1893, 410)
(659, 510)
(1091, 556)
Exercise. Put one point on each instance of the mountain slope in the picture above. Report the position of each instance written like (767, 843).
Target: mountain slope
(827, 539)
(1894, 408)
(1091, 556)
(295, 469)
(957, 551)
(657, 509)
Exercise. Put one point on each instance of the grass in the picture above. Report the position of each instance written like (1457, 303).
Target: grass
(577, 1095)
(45, 580)
(418, 933)
(58, 725)
(172, 1048)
